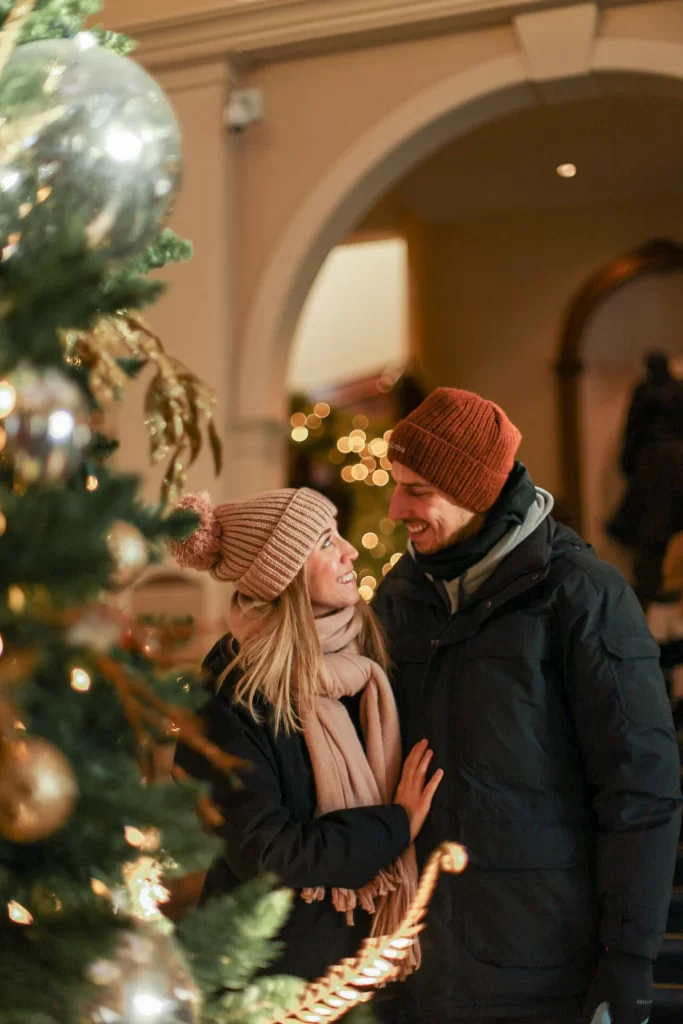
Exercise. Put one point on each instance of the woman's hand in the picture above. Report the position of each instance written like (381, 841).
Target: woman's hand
(413, 793)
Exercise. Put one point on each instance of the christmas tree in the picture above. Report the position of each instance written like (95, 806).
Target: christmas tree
(89, 162)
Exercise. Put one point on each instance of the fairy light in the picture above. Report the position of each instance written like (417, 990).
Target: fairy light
(369, 463)
(379, 551)
(344, 445)
(387, 435)
(380, 477)
(347, 474)
(359, 471)
(18, 914)
(299, 433)
(369, 581)
(367, 593)
(80, 680)
(2, 645)
(134, 837)
(356, 443)
(313, 421)
(385, 463)
(360, 422)
(16, 599)
(298, 419)
(359, 433)
(395, 558)
(92, 483)
(370, 540)
(386, 568)
(100, 889)
(8, 397)
(3, 522)
(387, 526)
(379, 447)
(322, 410)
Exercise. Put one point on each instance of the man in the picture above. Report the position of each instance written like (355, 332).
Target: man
(527, 663)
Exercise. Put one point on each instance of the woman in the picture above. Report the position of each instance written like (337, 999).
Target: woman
(302, 695)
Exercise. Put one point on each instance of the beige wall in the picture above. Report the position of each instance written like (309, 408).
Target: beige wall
(496, 291)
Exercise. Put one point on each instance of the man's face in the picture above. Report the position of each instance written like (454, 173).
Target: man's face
(433, 519)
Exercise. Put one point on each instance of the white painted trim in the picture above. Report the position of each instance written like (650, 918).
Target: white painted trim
(266, 29)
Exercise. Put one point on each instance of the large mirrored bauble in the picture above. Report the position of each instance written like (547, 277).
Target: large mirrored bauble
(146, 981)
(89, 138)
(46, 421)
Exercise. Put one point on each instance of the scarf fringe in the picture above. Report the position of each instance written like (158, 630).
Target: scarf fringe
(373, 898)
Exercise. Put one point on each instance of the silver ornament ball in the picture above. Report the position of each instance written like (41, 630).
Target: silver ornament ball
(87, 140)
(147, 981)
(46, 423)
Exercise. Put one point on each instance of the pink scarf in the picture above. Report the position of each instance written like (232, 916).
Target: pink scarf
(348, 776)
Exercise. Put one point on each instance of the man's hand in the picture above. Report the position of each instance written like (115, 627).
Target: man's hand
(621, 992)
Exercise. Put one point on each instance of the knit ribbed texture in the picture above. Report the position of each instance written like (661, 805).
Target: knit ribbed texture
(261, 543)
(461, 443)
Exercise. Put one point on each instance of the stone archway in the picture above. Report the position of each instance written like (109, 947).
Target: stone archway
(659, 256)
(381, 156)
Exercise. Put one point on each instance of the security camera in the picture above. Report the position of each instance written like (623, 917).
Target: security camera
(244, 108)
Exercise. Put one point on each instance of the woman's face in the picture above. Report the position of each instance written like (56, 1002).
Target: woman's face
(329, 572)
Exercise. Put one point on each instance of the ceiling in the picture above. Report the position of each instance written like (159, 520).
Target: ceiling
(623, 147)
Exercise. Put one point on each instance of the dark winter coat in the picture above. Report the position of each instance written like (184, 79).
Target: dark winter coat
(270, 826)
(545, 705)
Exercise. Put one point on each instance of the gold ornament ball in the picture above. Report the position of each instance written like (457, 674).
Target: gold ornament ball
(147, 979)
(128, 552)
(38, 790)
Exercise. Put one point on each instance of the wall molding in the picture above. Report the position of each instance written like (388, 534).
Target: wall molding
(258, 31)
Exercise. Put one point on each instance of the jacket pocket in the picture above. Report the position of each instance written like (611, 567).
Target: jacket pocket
(532, 918)
(528, 897)
(640, 688)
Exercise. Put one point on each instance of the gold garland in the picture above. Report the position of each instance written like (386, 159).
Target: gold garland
(378, 961)
(176, 401)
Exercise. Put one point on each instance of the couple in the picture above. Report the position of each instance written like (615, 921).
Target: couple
(532, 708)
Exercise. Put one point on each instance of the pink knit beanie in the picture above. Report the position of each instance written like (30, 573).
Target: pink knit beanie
(259, 544)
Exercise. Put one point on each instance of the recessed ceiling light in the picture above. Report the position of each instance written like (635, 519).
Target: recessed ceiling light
(566, 170)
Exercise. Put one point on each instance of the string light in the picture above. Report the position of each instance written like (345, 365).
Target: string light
(356, 443)
(92, 483)
(134, 836)
(387, 435)
(298, 419)
(3, 438)
(2, 645)
(344, 445)
(359, 433)
(370, 540)
(369, 463)
(299, 433)
(347, 475)
(395, 558)
(16, 599)
(385, 463)
(18, 914)
(369, 581)
(379, 447)
(387, 526)
(8, 397)
(367, 593)
(379, 551)
(100, 889)
(313, 421)
(386, 568)
(360, 421)
(359, 471)
(380, 477)
(80, 680)
(3, 524)
(322, 410)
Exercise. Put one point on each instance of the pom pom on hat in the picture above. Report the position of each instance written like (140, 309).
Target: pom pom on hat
(201, 550)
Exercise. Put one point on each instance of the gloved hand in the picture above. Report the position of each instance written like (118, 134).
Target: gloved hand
(621, 992)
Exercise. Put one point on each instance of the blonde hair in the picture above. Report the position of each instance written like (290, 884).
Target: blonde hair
(280, 658)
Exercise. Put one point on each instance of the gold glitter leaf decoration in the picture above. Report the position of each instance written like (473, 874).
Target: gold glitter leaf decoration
(177, 402)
